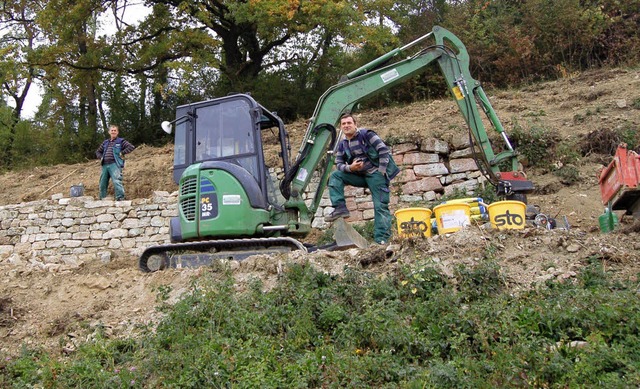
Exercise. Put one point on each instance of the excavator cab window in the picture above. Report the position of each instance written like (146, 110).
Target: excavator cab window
(226, 132)
(236, 130)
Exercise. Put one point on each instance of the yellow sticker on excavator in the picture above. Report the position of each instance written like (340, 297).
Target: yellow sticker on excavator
(457, 93)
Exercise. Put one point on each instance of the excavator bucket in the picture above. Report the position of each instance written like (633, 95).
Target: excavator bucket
(346, 236)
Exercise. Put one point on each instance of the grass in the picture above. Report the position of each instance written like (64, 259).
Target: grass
(414, 328)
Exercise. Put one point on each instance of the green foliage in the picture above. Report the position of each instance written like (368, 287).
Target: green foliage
(568, 151)
(535, 142)
(481, 281)
(413, 328)
(629, 133)
(366, 229)
(569, 174)
(326, 237)
(486, 192)
(285, 55)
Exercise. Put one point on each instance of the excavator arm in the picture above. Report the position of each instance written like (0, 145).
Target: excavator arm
(316, 152)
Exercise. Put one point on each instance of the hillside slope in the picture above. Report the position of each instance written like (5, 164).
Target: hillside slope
(58, 310)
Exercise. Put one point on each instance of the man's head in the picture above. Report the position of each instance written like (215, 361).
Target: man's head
(348, 125)
(113, 131)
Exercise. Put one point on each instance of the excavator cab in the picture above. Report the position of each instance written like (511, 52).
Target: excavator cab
(219, 164)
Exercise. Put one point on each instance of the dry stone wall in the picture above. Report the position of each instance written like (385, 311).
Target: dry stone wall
(62, 232)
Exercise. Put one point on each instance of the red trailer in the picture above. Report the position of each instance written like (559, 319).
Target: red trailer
(620, 182)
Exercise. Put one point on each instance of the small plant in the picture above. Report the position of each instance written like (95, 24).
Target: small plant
(487, 193)
(326, 237)
(636, 103)
(568, 152)
(569, 174)
(457, 193)
(423, 279)
(163, 292)
(366, 229)
(478, 282)
(536, 143)
(629, 135)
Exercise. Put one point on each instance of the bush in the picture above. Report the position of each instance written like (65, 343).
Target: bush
(412, 328)
(535, 143)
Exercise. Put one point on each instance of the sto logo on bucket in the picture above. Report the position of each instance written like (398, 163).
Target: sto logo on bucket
(413, 227)
(508, 219)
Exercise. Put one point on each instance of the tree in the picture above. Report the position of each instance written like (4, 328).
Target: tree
(16, 74)
(250, 32)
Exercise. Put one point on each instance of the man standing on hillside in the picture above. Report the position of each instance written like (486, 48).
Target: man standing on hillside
(111, 154)
(363, 160)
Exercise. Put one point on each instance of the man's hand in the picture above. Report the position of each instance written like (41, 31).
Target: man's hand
(356, 165)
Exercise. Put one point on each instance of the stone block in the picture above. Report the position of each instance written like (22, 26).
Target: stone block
(115, 244)
(420, 158)
(434, 145)
(158, 221)
(82, 235)
(410, 198)
(430, 170)
(51, 244)
(115, 233)
(403, 148)
(367, 204)
(72, 243)
(448, 179)
(350, 191)
(464, 153)
(105, 218)
(467, 186)
(424, 185)
(462, 165)
(355, 216)
(430, 196)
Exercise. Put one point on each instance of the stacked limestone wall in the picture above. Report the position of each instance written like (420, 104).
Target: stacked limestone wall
(63, 232)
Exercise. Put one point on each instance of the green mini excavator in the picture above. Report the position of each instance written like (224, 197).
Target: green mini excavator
(230, 204)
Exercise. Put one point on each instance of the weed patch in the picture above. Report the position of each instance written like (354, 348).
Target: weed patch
(416, 327)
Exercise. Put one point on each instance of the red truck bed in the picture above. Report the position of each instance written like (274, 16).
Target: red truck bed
(620, 181)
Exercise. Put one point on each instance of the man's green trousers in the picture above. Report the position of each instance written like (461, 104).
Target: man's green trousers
(379, 187)
(114, 172)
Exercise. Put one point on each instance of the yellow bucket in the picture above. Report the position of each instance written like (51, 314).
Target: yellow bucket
(507, 215)
(452, 217)
(413, 222)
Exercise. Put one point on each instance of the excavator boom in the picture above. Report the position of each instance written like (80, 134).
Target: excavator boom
(379, 75)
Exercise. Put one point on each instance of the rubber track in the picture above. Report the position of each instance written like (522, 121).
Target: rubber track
(220, 245)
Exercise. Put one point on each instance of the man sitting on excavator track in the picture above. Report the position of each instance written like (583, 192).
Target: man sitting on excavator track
(363, 160)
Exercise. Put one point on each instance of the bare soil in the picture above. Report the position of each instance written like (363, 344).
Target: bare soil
(58, 310)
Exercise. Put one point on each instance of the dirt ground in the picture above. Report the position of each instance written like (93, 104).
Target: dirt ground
(58, 310)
